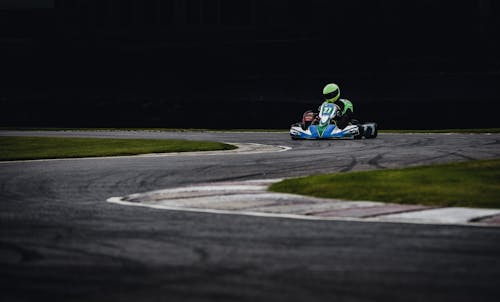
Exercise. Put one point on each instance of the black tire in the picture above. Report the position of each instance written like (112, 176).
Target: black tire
(372, 133)
(361, 132)
(368, 132)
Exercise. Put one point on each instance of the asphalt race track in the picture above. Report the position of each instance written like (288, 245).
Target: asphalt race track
(61, 241)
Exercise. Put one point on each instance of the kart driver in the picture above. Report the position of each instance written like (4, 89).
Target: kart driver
(331, 93)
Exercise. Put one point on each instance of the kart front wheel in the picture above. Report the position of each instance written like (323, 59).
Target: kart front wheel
(361, 132)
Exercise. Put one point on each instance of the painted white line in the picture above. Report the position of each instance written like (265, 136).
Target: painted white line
(452, 215)
(251, 198)
(118, 200)
(213, 189)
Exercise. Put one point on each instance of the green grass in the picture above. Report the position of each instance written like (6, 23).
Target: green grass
(19, 148)
(467, 184)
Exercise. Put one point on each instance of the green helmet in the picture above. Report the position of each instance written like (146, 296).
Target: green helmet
(331, 92)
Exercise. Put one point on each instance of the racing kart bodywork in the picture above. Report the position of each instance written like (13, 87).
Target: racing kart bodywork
(323, 126)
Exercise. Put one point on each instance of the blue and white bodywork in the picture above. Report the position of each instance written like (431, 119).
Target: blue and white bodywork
(324, 127)
(331, 132)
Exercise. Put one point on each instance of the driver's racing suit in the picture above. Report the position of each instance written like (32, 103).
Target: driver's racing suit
(344, 116)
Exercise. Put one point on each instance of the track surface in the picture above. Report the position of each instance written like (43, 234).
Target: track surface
(60, 240)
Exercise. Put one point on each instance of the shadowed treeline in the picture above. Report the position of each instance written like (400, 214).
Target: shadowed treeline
(211, 64)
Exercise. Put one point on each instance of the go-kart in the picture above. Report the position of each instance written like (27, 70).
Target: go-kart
(323, 126)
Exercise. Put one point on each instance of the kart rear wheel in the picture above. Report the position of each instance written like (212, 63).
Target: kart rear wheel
(371, 132)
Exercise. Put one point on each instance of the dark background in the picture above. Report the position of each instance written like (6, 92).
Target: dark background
(247, 63)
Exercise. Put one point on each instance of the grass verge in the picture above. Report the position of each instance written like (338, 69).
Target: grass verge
(466, 184)
(19, 148)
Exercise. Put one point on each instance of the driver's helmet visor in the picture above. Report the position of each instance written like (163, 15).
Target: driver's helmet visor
(331, 95)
